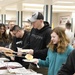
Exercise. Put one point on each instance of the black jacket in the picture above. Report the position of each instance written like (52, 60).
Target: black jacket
(69, 67)
(38, 41)
(19, 42)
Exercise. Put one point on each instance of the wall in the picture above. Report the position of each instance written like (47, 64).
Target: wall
(11, 15)
(57, 16)
(55, 19)
(65, 16)
(73, 18)
(26, 16)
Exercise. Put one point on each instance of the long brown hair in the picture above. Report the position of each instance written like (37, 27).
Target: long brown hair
(63, 40)
(4, 36)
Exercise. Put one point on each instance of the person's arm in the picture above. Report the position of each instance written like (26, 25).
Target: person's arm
(44, 63)
(42, 53)
(4, 49)
(69, 67)
(13, 46)
(27, 41)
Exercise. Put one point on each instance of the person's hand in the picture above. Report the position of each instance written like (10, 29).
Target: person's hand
(36, 61)
(19, 53)
(3, 49)
(12, 58)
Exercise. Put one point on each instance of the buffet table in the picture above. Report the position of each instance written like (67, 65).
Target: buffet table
(14, 68)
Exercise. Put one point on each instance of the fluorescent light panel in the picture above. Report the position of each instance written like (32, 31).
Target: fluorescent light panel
(34, 5)
(11, 9)
(58, 6)
(63, 10)
(30, 9)
(66, 2)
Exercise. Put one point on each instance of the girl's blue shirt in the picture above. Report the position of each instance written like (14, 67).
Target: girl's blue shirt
(55, 60)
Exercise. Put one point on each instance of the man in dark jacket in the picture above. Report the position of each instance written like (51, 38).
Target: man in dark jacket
(69, 67)
(19, 39)
(39, 37)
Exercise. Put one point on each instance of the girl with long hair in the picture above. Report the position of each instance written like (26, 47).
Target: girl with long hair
(59, 49)
(4, 40)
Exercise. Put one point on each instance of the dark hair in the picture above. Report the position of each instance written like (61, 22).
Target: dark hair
(2, 25)
(15, 28)
(40, 16)
(68, 25)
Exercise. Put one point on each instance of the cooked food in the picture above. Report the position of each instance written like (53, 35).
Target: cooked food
(9, 54)
(29, 57)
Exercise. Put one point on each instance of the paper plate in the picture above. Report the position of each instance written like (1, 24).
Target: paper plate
(25, 60)
(25, 50)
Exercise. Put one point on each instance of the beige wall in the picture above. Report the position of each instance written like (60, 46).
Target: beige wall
(26, 16)
(57, 16)
(11, 15)
(55, 19)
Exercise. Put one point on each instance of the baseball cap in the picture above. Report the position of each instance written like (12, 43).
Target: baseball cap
(36, 16)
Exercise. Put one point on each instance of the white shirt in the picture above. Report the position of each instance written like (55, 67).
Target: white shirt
(70, 35)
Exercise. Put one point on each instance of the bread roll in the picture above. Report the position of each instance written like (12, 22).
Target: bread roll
(29, 57)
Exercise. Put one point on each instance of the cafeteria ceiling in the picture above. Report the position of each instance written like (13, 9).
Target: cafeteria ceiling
(37, 5)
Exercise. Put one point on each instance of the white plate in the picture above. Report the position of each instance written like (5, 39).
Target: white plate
(25, 50)
(25, 60)
(4, 59)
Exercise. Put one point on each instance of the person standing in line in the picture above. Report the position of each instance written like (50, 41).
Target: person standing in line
(11, 24)
(68, 32)
(4, 38)
(27, 27)
(59, 49)
(19, 39)
(38, 40)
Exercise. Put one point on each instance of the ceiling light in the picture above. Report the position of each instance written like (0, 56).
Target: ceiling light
(58, 6)
(63, 10)
(11, 9)
(30, 9)
(35, 5)
(68, 2)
